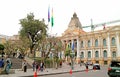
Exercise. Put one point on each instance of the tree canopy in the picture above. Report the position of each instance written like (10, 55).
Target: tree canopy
(1, 47)
(32, 29)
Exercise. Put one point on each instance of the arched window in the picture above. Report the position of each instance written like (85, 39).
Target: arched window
(81, 44)
(113, 41)
(89, 54)
(82, 55)
(96, 54)
(105, 54)
(114, 54)
(96, 43)
(88, 43)
(104, 42)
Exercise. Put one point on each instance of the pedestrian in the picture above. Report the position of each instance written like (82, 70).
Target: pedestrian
(7, 67)
(1, 64)
(34, 65)
(8, 59)
(86, 65)
(24, 66)
(42, 66)
(37, 66)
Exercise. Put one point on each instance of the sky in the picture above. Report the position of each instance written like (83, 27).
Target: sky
(11, 11)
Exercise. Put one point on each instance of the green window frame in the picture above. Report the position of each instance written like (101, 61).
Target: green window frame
(113, 41)
(96, 54)
(96, 43)
(105, 54)
(104, 42)
(114, 54)
(82, 55)
(89, 43)
(89, 54)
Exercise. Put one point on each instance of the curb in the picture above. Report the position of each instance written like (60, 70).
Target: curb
(57, 73)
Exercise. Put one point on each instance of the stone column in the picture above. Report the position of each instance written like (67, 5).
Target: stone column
(86, 55)
(118, 45)
(78, 50)
(93, 56)
(108, 47)
(92, 50)
(100, 42)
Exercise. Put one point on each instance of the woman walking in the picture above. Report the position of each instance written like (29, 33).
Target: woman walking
(24, 66)
(7, 68)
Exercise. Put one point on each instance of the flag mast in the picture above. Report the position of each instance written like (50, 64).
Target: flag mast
(52, 20)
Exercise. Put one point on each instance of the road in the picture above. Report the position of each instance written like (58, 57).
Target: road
(92, 73)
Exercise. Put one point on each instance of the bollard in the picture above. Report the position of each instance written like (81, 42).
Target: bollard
(94, 68)
(86, 70)
(70, 71)
(35, 74)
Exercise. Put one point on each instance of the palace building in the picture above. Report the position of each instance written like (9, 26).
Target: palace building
(100, 46)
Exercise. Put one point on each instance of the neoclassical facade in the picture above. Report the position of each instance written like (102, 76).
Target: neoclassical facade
(100, 46)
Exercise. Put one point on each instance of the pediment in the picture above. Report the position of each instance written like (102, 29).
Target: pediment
(68, 34)
(72, 33)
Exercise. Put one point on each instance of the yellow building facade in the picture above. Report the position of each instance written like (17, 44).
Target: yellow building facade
(100, 46)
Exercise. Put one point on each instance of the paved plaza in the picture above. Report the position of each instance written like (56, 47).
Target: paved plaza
(48, 71)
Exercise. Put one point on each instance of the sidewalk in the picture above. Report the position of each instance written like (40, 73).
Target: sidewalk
(47, 71)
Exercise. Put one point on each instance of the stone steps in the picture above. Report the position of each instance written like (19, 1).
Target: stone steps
(17, 63)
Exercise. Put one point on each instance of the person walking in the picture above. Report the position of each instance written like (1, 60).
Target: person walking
(42, 66)
(24, 66)
(7, 67)
(37, 66)
(86, 65)
(34, 66)
(1, 64)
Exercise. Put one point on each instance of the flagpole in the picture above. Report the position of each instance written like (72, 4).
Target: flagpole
(52, 20)
(49, 20)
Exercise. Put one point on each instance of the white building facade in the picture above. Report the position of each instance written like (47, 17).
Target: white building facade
(101, 46)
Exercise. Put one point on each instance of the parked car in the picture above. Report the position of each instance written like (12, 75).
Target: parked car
(96, 66)
(114, 69)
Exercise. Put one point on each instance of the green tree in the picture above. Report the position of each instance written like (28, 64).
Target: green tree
(32, 29)
(1, 47)
(9, 47)
(67, 51)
